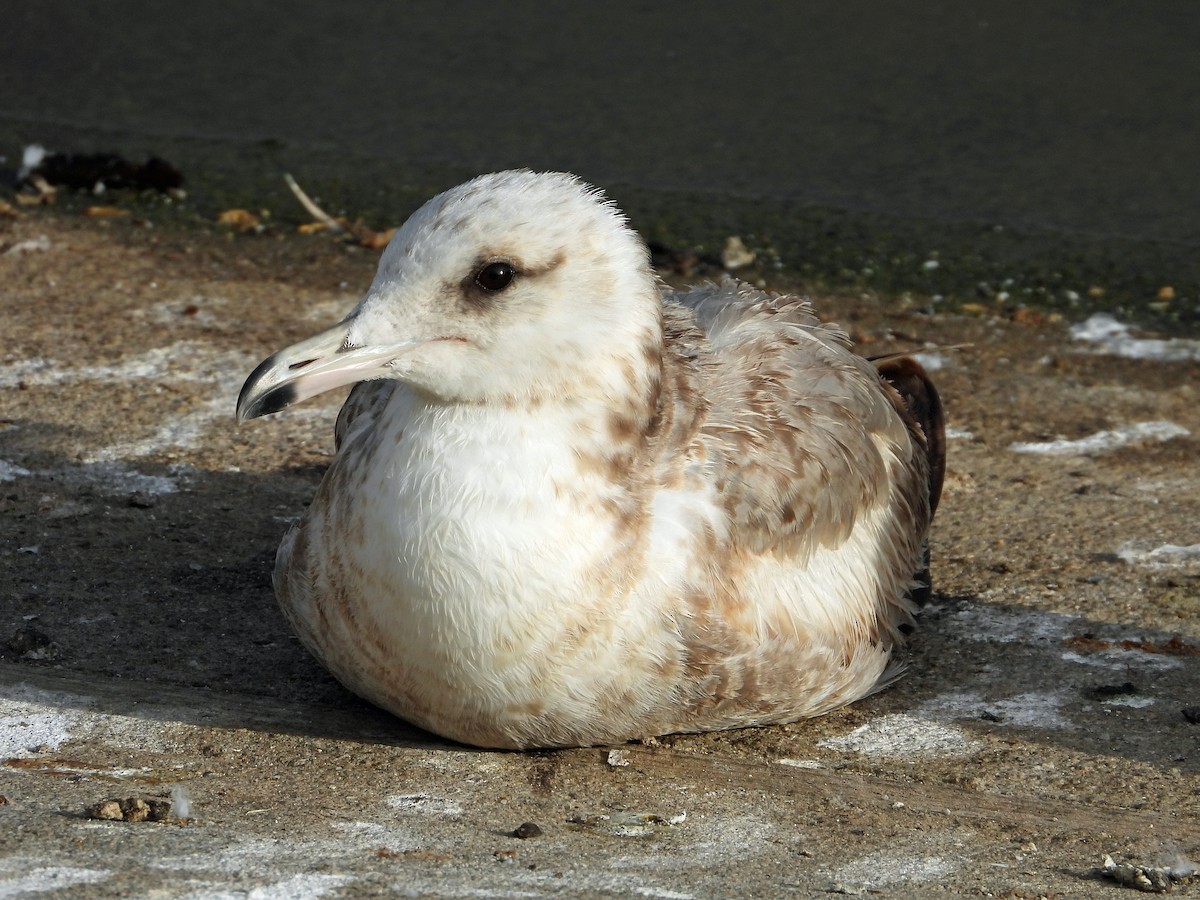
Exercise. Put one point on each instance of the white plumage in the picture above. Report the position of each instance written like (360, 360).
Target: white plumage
(571, 506)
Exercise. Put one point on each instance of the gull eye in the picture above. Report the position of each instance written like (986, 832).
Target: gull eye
(495, 276)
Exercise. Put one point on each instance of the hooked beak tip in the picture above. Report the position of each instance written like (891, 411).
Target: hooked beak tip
(264, 404)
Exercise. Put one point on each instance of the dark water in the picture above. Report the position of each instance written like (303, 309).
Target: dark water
(1054, 144)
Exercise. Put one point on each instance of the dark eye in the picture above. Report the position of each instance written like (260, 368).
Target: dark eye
(495, 276)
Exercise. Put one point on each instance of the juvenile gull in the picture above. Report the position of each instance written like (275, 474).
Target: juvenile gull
(572, 506)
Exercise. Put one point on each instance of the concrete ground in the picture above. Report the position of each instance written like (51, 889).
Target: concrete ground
(1048, 716)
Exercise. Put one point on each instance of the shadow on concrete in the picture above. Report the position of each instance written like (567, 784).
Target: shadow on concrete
(148, 594)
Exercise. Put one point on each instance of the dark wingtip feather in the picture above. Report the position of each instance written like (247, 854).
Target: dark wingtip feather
(924, 407)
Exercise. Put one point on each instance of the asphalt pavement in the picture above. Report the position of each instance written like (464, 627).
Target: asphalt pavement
(1042, 149)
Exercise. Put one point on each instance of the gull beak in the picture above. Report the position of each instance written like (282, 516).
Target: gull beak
(312, 367)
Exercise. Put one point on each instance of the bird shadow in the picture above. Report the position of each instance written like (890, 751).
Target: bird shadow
(146, 592)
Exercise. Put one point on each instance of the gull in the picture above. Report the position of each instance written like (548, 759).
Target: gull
(571, 506)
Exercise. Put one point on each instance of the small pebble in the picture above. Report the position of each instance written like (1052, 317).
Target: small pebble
(527, 830)
(1148, 879)
(735, 254)
(1192, 714)
(131, 809)
(617, 758)
(106, 809)
(1107, 691)
(29, 642)
(135, 809)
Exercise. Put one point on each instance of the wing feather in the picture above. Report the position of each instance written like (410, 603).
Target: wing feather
(798, 434)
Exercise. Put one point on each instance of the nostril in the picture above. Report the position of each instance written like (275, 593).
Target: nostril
(300, 365)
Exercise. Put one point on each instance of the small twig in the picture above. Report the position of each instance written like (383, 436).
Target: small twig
(311, 207)
(366, 237)
(936, 348)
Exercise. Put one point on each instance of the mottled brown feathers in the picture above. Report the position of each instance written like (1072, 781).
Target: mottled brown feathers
(791, 475)
(587, 508)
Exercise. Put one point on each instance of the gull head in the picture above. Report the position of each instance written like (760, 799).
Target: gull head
(502, 288)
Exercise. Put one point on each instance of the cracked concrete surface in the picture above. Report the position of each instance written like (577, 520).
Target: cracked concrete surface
(1041, 723)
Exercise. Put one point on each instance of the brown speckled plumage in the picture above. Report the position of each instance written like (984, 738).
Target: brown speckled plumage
(587, 508)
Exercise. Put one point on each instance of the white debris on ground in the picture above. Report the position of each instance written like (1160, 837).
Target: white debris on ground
(800, 763)
(1104, 441)
(31, 157)
(181, 802)
(618, 757)
(181, 361)
(35, 245)
(111, 476)
(47, 878)
(1109, 336)
(735, 254)
(880, 870)
(298, 887)
(424, 804)
(1131, 702)
(931, 362)
(25, 727)
(181, 433)
(902, 736)
(988, 623)
(1166, 556)
(1031, 709)
(11, 471)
